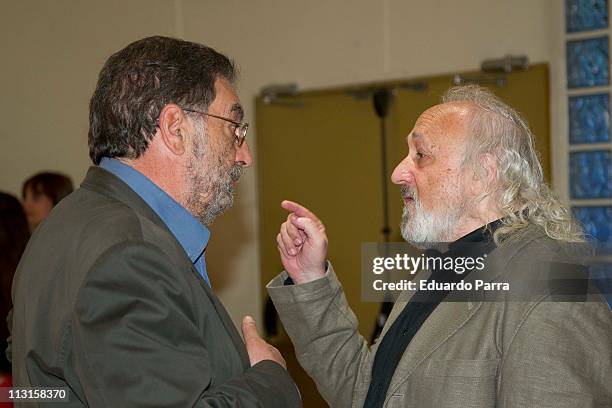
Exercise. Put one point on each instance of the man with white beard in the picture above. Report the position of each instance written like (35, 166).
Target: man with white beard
(472, 179)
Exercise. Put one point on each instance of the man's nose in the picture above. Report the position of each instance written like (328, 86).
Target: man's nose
(243, 155)
(403, 173)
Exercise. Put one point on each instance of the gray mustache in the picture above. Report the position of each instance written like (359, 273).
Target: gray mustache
(236, 172)
(408, 192)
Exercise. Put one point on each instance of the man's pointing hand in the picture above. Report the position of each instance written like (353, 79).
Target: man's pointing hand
(302, 244)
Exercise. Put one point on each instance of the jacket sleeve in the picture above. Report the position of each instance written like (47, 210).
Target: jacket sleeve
(559, 356)
(135, 342)
(325, 334)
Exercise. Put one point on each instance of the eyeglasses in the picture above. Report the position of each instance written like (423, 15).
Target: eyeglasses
(240, 128)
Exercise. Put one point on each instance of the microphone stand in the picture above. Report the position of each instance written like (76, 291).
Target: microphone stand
(381, 99)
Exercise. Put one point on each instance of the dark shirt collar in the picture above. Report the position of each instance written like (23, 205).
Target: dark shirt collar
(190, 233)
(476, 243)
(482, 235)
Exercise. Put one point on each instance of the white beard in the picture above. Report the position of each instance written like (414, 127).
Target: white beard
(421, 227)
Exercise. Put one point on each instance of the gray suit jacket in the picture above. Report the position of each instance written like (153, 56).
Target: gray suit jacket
(535, 352)
(108, 304)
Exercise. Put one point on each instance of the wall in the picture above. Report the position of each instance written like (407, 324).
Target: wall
(53, 51)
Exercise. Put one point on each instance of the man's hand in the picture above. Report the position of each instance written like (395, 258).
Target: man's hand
(257, 347)
(302, 244)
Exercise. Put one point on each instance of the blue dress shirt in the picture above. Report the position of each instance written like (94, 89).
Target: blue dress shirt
(190, 233)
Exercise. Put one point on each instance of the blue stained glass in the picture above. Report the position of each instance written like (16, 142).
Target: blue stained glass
(597, 222)
(587, 62)
(584, 15)
(590, 174)
(589, 118)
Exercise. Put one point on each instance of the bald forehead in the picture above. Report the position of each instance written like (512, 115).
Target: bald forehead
(446, 122)
(447, 116)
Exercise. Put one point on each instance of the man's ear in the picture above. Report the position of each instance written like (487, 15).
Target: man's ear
(483, 174)
(489, 168)
(172, 125)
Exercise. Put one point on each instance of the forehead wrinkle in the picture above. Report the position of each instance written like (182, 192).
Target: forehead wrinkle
(443, 122)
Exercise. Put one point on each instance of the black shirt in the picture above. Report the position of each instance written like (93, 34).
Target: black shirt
(418, 309)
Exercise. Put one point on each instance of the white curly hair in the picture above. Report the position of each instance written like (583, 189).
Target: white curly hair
(519, 189)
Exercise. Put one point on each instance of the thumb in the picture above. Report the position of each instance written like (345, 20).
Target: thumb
(249, 330)
(310, 228)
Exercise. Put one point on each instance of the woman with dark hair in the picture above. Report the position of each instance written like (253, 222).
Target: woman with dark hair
(41, 193)
(14, 235)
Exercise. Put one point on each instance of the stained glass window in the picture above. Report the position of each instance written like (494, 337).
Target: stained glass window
(584, 15)
(590, 171)
(597, 222)
(587, 62)
(589, 118)
(590, 174)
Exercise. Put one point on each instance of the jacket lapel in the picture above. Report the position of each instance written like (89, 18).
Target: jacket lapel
(445, 320)
(104, 182)
(448, 317)
(225, 319)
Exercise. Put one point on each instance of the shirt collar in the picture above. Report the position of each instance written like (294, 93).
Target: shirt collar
(481, 239)
(190, 233)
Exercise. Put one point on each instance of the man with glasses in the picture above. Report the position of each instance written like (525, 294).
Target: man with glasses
(112, 298)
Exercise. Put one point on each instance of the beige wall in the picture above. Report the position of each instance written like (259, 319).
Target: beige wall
(52, 52)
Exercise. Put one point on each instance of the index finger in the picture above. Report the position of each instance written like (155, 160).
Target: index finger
(299, 210)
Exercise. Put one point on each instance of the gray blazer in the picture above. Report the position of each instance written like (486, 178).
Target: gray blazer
(108, 304)
(476, 353)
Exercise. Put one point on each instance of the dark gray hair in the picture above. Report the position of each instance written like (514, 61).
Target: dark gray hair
(138, 81)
